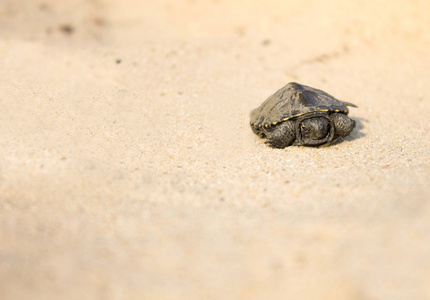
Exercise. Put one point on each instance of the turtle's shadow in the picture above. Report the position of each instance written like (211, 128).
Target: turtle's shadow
(357, 132)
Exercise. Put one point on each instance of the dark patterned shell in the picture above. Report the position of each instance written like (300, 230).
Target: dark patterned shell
(294, 100)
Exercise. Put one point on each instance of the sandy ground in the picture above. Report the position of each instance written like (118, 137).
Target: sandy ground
(128, 169)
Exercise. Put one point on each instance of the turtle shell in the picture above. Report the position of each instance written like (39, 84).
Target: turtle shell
(294, 100)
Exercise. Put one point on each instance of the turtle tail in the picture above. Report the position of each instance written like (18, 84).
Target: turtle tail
(349, 104)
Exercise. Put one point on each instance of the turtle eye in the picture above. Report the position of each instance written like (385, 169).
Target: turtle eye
(303, 127)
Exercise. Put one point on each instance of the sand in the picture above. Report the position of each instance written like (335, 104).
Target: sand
(128, 169)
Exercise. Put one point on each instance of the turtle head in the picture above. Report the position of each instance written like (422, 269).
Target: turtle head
(314, 129)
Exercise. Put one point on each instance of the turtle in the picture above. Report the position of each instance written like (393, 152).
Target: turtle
(301, 115)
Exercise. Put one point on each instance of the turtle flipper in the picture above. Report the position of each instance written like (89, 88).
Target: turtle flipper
(282, 136)
(343, 124)
(258, 131)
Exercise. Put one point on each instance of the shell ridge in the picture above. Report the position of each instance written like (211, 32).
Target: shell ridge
(293, 100)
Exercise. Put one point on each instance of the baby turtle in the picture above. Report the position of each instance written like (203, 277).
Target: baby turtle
(301, 115)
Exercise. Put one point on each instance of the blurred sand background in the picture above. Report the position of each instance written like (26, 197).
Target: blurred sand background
(128, 169)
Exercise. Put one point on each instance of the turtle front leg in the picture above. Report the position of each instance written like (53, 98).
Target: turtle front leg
(282, 136)
(343, 124)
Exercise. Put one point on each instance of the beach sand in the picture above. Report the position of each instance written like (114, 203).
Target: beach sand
(128, 169)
